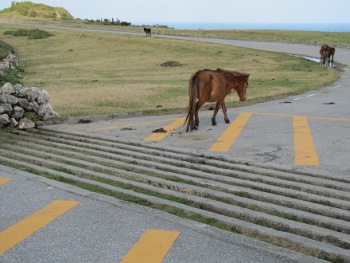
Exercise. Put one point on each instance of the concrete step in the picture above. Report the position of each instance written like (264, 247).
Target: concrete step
(303, 211)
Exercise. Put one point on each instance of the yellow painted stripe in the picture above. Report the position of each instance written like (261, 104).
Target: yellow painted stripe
(229, 136)
(304, 148)
(158, 136)
(152, 247)
(24, 228)
(4, 180)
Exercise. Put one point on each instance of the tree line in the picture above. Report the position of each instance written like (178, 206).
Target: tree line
(108, 22)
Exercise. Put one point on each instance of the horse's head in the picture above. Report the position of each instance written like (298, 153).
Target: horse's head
(243, 86)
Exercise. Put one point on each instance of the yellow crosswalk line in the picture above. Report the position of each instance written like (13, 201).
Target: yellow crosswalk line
(304, 148)
(24, 228)
(4, 180)
(158, 136)
(229, 136)
(152, 247)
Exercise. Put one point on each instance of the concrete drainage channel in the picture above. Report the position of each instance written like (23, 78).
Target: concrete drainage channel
(308, 213)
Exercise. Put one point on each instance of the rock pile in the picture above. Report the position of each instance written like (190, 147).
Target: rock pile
(17, 102)
(10, 61)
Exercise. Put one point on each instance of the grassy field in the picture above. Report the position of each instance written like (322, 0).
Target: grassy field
(102, 73)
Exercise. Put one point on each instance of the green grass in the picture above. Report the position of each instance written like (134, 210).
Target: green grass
(88, 73)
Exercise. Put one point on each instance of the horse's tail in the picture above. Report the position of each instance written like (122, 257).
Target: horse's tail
(193, 93)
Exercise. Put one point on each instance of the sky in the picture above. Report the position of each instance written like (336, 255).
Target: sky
(205, 11)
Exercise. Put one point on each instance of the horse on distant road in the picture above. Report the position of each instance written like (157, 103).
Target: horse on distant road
(327, 55)
(147, 31)
(213, 85)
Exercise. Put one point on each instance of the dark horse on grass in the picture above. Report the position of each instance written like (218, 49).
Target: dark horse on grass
(213, 85)
(327, 55)
(147, 31)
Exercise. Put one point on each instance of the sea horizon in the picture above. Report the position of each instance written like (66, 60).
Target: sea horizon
(323, 27)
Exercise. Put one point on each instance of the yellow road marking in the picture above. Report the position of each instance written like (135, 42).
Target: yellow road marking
(229, 136)
(157, 136)
(4, 180)
(305, 152)
(152, 247)
(24, 228)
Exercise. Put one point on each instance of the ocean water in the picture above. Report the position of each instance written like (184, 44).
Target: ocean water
(323, 27)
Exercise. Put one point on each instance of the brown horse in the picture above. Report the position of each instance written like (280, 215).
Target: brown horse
(327, 54)
(324, 53)
(213, 85)
(147, 31)
(330, 57)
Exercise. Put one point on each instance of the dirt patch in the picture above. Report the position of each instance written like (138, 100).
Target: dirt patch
(171, 63)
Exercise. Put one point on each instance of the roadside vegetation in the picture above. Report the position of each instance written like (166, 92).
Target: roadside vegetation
(12, 75)
(89, 73)
(31, 34)
(31, 10)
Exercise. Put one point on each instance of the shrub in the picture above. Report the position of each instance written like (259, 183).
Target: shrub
(9, 32)
(12, 75)
(5, 49)
(21, 33)
(33, 14)
(32, 34)
(38, 34)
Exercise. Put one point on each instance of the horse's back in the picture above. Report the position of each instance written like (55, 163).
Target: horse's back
(216, 84)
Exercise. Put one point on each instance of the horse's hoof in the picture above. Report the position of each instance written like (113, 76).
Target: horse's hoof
(194, 127)
(227, 121)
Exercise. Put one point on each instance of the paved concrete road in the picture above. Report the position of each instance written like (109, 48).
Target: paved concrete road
(102, 229)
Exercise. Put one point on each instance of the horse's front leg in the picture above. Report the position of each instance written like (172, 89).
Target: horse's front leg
(217, 107)
(224, 111)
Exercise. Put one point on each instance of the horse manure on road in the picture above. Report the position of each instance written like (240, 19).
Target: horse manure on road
(160, 130)
(84, 121)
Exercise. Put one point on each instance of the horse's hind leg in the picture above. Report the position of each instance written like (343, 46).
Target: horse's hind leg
(224, 111)
(196, 117)
(217, 107)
